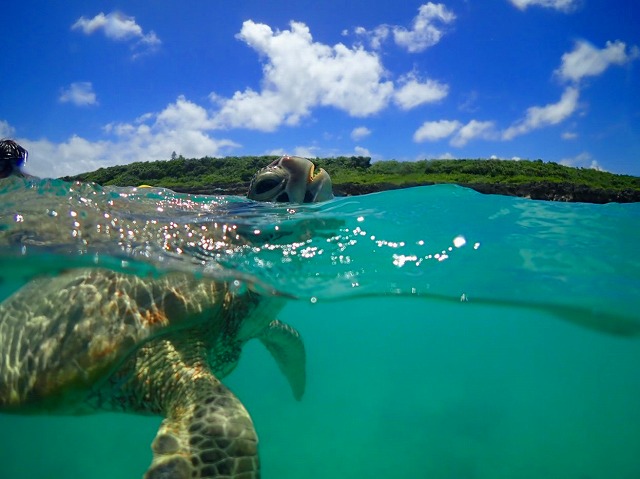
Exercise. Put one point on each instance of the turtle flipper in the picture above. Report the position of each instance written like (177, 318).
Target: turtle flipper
(209, 437)
(286, 346)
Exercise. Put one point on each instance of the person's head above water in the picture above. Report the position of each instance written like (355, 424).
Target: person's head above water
(291, 179)
(12, 157)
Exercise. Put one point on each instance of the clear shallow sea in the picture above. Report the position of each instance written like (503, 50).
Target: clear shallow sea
(535, 375)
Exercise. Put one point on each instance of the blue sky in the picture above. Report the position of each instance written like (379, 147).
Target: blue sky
(86, 84)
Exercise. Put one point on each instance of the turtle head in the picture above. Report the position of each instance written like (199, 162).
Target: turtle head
(12, 157)
(291, 179)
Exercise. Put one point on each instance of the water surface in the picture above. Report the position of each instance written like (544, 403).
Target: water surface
(450, 335)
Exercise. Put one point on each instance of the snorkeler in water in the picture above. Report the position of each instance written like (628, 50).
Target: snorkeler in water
(12, 158)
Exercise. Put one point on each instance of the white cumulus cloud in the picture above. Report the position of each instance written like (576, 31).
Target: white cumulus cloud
(484, 130)
(582, 160)
(359, 133)
(413, 93)
(360, 151)
(120, 27)
(300, 74)
(460, 133)
(560, 5)
(182, 126)
(79, 94)
(6, 130)
(375, 37)
(436, 130)
(587, 60)
(541, 116)
(49, 159)
(427, 28)
(181, 115)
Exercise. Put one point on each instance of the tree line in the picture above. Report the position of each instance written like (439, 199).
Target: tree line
(186, 174)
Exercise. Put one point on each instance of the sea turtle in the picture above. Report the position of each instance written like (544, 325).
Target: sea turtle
(94, 339)
(291, 178)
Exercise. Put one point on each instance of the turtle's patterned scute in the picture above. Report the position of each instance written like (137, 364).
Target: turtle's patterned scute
(95, 339)
(62, 332)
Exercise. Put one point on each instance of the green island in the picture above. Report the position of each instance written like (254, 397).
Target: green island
(358, 175)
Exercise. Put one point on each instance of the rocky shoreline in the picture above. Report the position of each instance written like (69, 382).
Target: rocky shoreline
(566, 192)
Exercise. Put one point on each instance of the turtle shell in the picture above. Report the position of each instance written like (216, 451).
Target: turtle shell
(61, 336)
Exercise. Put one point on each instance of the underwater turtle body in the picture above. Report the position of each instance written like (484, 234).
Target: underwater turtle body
(94, 339)
(97, 340)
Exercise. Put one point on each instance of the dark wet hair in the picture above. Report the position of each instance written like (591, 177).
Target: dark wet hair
(12, 157)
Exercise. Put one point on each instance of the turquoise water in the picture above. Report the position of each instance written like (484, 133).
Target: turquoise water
(449, 335)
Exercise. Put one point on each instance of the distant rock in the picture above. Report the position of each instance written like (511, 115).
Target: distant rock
(560, 192)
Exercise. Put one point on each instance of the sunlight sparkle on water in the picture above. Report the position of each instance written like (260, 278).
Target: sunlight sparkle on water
(459, 241)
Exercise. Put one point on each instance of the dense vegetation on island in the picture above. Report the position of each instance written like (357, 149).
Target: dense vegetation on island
(357, 174)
